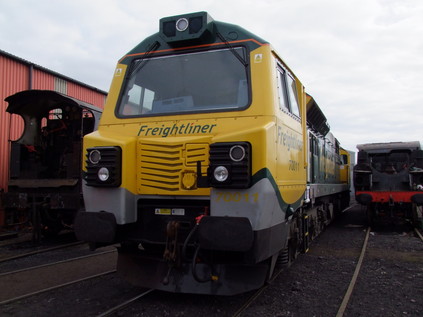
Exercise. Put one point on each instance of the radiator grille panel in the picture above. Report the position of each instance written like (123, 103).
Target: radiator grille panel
(161, 165)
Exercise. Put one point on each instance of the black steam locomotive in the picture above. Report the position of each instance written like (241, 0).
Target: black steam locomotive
(44, 189)
(388, 179)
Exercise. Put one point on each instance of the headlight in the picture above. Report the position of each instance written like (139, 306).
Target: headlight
(103, 174)
(185, 27)
(221, 173)
(237, 153)
(182, 24)
(94, 157)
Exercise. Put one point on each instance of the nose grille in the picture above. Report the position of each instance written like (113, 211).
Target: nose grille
(161, 165)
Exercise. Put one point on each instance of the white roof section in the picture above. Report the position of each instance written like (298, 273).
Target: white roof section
(389, 146)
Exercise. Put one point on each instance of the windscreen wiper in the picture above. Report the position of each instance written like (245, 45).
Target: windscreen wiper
(135, 67)
(236, 54)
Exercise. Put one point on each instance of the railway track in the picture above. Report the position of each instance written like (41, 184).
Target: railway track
(418, 234)
(350, 288)
(125, 304)
(27, 282)
(13, 238)
(375, 245)
(245, 305)
(253, 298)
(44, 250)
(25, 236)
(23, 246)
(393, 269)
(316, 284)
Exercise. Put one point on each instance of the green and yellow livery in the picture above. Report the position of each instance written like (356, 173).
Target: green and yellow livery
(211, 163)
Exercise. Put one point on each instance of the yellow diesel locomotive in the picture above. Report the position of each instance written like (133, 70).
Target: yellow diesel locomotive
(211, 165)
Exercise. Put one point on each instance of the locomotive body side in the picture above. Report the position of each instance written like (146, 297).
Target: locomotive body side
(199, 166)
(389, 180)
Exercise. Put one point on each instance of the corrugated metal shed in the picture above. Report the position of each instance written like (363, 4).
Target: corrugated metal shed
(17, 74)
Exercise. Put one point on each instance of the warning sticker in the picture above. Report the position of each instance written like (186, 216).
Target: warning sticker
(162, 211)
(168, 211)
(118, 72)
(178, 212)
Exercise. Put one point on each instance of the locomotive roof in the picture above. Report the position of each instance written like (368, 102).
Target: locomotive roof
(389, 146)
(315, 117)
(192, 30)
(32, 102)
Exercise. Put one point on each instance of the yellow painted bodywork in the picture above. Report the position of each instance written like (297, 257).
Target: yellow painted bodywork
(277, 138)
(345, 171)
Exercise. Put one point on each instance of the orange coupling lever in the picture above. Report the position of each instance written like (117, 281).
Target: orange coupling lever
(206, 213)
(198, 219)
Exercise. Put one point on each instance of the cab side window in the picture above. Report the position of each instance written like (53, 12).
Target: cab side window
(287, 93)
(293, 96)
(283, 99)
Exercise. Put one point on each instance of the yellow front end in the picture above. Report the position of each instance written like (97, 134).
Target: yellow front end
(160, 154)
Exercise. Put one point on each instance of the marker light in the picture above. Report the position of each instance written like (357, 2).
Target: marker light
(237, 153)
(187, 27)
(221, 173)
(94, 157)
(182, 24)
(103, 174)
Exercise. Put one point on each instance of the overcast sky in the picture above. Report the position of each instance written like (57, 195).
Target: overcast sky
(362, 60)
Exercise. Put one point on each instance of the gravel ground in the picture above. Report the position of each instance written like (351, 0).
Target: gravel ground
(391, 279)
(317, 281)
(390, 284)
(83, 299)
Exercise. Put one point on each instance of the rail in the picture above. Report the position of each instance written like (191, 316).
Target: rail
(124, 304)
(27, 282)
